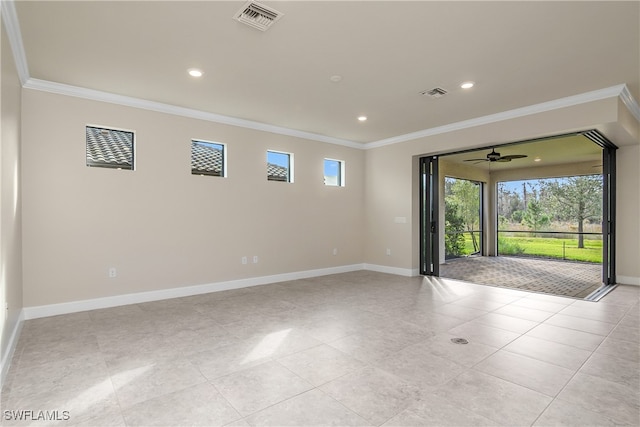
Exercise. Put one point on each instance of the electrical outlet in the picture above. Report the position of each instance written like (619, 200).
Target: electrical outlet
(255, 259)
(335, 251)
(244, 260)
(113, 272)
(388, 252)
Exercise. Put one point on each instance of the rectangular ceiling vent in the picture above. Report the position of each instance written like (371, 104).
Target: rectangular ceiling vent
(257, 15)
(436, 92)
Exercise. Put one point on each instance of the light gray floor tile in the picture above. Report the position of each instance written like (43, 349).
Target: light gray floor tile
(431, 321)
(535, 304)
(501, 401)
(508, 323)
(142, 383)
(199, 405)
(623, 349)
(581, 324)
(614, 369)
(524, 313)
(373, 394)
(91, 400)
(376, 346)
(578, 339)
(550, 298)
(321, 364)
(312, 408)
(131, 350)
(626, 333)
(531, 373)
(238, 423)
(611, 400)
(595, 311)
(549, 351)
(484, 334)
(565, 414)
(433, 410)
(327, 328)
(58, 376)
(259, 387)
(463, 312)
(417, 366)
(462, 354)
(228, 359)
(479, 302)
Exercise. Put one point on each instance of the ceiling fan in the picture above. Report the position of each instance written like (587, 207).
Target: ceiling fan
(496, 157)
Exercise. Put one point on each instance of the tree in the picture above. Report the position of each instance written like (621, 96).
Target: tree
(533, 217)
(577, 198)
(509, 203)
(454, 229)
(466, 195)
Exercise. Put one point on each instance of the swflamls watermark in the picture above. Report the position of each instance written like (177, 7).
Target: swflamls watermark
(31, 415)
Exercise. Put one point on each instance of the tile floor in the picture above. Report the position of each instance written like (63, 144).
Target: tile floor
(359, 348)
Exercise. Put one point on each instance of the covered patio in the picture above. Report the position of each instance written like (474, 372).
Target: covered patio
(564, 278)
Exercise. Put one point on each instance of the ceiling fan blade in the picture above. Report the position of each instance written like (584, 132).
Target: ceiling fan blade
(476, 160)
(514, 156)
(504, 159)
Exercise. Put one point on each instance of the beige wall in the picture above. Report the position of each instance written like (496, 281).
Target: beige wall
(628, 214)
(162, 227)
(10, 201)
(395, 191)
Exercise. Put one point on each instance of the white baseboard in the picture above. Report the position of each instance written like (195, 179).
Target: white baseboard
(118, 300)
(628, 280)
(408, 272)
(5, 362)
(140, 297)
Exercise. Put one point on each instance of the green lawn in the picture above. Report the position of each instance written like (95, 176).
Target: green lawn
(543, 247)
(553, 248)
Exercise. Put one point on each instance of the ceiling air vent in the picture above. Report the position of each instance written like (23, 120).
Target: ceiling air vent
(257, 15)
(436, 92)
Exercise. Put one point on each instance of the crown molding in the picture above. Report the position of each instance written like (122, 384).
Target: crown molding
(96, 95)
(570, 101)
(12, 26)
(630, 102)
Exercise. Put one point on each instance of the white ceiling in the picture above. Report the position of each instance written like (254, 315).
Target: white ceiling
(518, 53)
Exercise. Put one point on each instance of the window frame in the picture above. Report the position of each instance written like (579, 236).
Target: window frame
(116, 166)
(341, 172)
(290, 168)
(224, 157)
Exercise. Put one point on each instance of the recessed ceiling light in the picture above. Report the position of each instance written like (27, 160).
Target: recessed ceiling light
(194, 72)
(335, 78)
(537, 159)
(467, 85)
(362, 118)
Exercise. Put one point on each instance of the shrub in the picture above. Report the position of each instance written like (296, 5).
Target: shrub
(508, 247)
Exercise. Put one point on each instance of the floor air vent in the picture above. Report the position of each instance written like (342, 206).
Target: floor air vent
(257, 15)
(436, 92)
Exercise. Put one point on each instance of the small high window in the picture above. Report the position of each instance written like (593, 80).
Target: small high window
(208, 158)
(109, 148)
(279, 166)
(334, 172)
